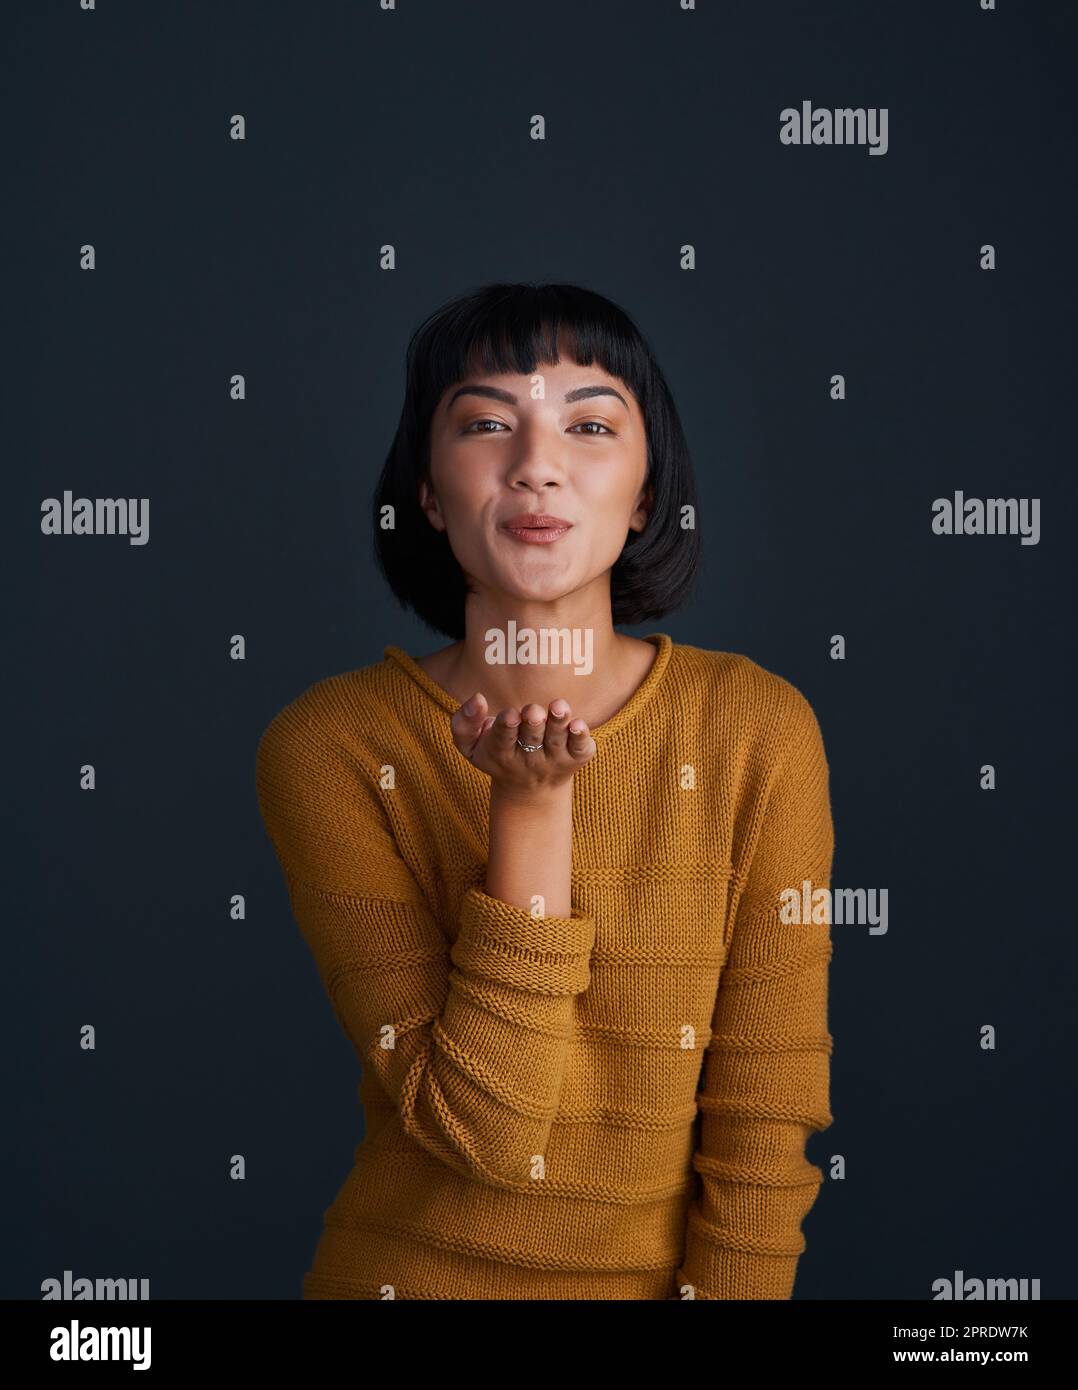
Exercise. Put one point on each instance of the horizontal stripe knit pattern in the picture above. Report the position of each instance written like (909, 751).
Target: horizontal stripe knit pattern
(609, 1105)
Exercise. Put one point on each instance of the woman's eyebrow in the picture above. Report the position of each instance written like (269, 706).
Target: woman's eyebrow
(495, 393)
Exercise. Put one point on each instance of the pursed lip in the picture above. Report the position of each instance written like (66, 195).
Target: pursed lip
(536, 521)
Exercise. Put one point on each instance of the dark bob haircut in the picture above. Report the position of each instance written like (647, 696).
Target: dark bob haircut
(515, 328)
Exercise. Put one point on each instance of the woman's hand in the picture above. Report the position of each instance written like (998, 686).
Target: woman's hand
(490, 742)
(530, 851)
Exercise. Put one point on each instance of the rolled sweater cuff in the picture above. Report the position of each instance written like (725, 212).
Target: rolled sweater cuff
(548, 955)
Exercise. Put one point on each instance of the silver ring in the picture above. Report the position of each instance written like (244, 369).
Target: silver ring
(530, 747)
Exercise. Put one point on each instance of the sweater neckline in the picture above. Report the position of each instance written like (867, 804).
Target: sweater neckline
(643, 693)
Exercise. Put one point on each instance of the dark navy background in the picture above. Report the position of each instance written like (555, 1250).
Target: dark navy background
(261, 257)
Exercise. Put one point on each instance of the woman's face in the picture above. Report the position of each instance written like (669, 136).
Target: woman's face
(578, 453)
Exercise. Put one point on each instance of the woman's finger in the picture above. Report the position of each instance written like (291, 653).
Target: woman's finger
(466, 724)
(503, 732)
(557, 726)
(579, 739)
(533, 724)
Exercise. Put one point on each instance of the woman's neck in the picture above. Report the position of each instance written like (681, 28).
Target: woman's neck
(517, 661)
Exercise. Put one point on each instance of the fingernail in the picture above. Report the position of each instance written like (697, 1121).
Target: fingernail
(559, 708)
(577, 727)
(470, 707)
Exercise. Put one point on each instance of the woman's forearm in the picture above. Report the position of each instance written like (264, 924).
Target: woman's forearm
(531, 848)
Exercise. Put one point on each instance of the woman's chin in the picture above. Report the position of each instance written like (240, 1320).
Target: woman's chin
(535, 588)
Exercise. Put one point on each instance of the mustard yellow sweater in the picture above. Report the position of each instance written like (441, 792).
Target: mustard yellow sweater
(611, 1105)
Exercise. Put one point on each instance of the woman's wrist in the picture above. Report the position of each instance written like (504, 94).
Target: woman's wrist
(540, 802)
(531, 848)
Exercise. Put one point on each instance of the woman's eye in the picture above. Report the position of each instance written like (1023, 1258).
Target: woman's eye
(589, 426)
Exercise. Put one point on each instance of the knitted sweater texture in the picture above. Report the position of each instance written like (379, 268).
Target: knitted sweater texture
(609, 1105)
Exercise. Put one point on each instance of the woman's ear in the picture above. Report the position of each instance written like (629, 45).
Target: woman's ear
(644, 504)
(429, 504)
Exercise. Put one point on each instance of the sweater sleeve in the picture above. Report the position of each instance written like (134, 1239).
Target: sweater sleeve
(468, 1037)
(765, 1080)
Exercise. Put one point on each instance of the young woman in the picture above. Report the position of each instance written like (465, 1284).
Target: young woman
(543, 870)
